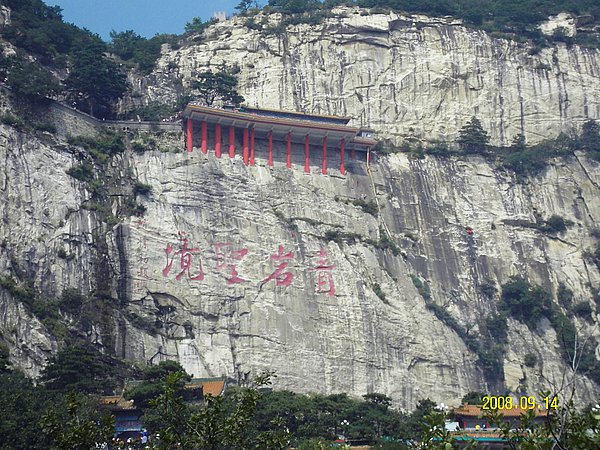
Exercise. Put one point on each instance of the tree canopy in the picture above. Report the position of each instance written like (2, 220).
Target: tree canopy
(213, 86)
(472, 137)
(95, 81)
(80, 369)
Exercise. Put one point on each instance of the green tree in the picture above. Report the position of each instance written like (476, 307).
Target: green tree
(474, 398)
(31, 82)
(244, 5)
(81, 428)
(4, 358)
(590, 138)
(220, 85)
(472, 137)
(197, 26)
(94, 81)
(152, 382)
(221, 423)
(22, 404)
(518, 143)
(524, 302)
(80, 369)
(295, 6)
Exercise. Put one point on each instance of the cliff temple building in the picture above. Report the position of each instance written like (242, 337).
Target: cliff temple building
(290, 137)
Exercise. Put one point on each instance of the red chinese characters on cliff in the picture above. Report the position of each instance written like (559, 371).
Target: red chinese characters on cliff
(227, 259)
(281, 278)
(186, 257)
(184, 260)
(324, 271)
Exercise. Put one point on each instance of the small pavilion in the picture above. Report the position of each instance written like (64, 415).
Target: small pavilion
(285, 133)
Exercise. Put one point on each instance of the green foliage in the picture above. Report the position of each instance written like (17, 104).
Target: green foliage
(378, 291)
(71, 301)
(13, 121)
(472, 137)
(317, 418)
(82, 172)
(423, 288)
(220, 423)
(94, 81)
(583, 310)
(4, 358)
(217, 86)
(140, 188)
(524, 302)
(80, 369)
(197, 26)
(39, 29)
(152, 383)
(488, 288)
(81, 428)
(100, 147)
(555, 224)
(564, 295)
(496, 326)
(31, 82)
(244, 5)
(369, 207)
(530, 360)
(22, 404)
(156, 111)
(385, 242)
(144, 53)
(474, 398)
(135, 209)
(294, 6)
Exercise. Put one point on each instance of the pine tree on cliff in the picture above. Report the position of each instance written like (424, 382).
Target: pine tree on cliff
(217, 86)
(472, 137)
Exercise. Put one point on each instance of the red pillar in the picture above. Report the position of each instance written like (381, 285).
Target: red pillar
(289, 150)
(271, 148)
(306, 166)
(231, 142)
(218, 140)
(324, 162)
(189, 135)
(342, 149)
(204, 131)
(245, 146)
(252, 146)
(353, 154)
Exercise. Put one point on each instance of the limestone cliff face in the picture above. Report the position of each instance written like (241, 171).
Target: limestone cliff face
(181, 293)
(404, 76)
(235, 269)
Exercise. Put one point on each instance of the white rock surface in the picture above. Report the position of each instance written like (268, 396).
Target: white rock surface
(352, 342)
(404, 76)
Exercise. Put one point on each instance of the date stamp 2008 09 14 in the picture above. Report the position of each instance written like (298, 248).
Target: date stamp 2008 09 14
(530, 402)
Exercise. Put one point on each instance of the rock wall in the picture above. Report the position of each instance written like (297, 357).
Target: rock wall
(408, 77)
(235, 269)
(217, 303)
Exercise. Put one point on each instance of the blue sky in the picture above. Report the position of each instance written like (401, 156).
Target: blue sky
(145, 17)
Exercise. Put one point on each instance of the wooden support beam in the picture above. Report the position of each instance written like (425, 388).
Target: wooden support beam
(270, 162)
(245, 146)
(324, 160)
(218, 140)
(189, 135)
(231, 142)
(342, 151)
(306, 155)
(289, 150)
